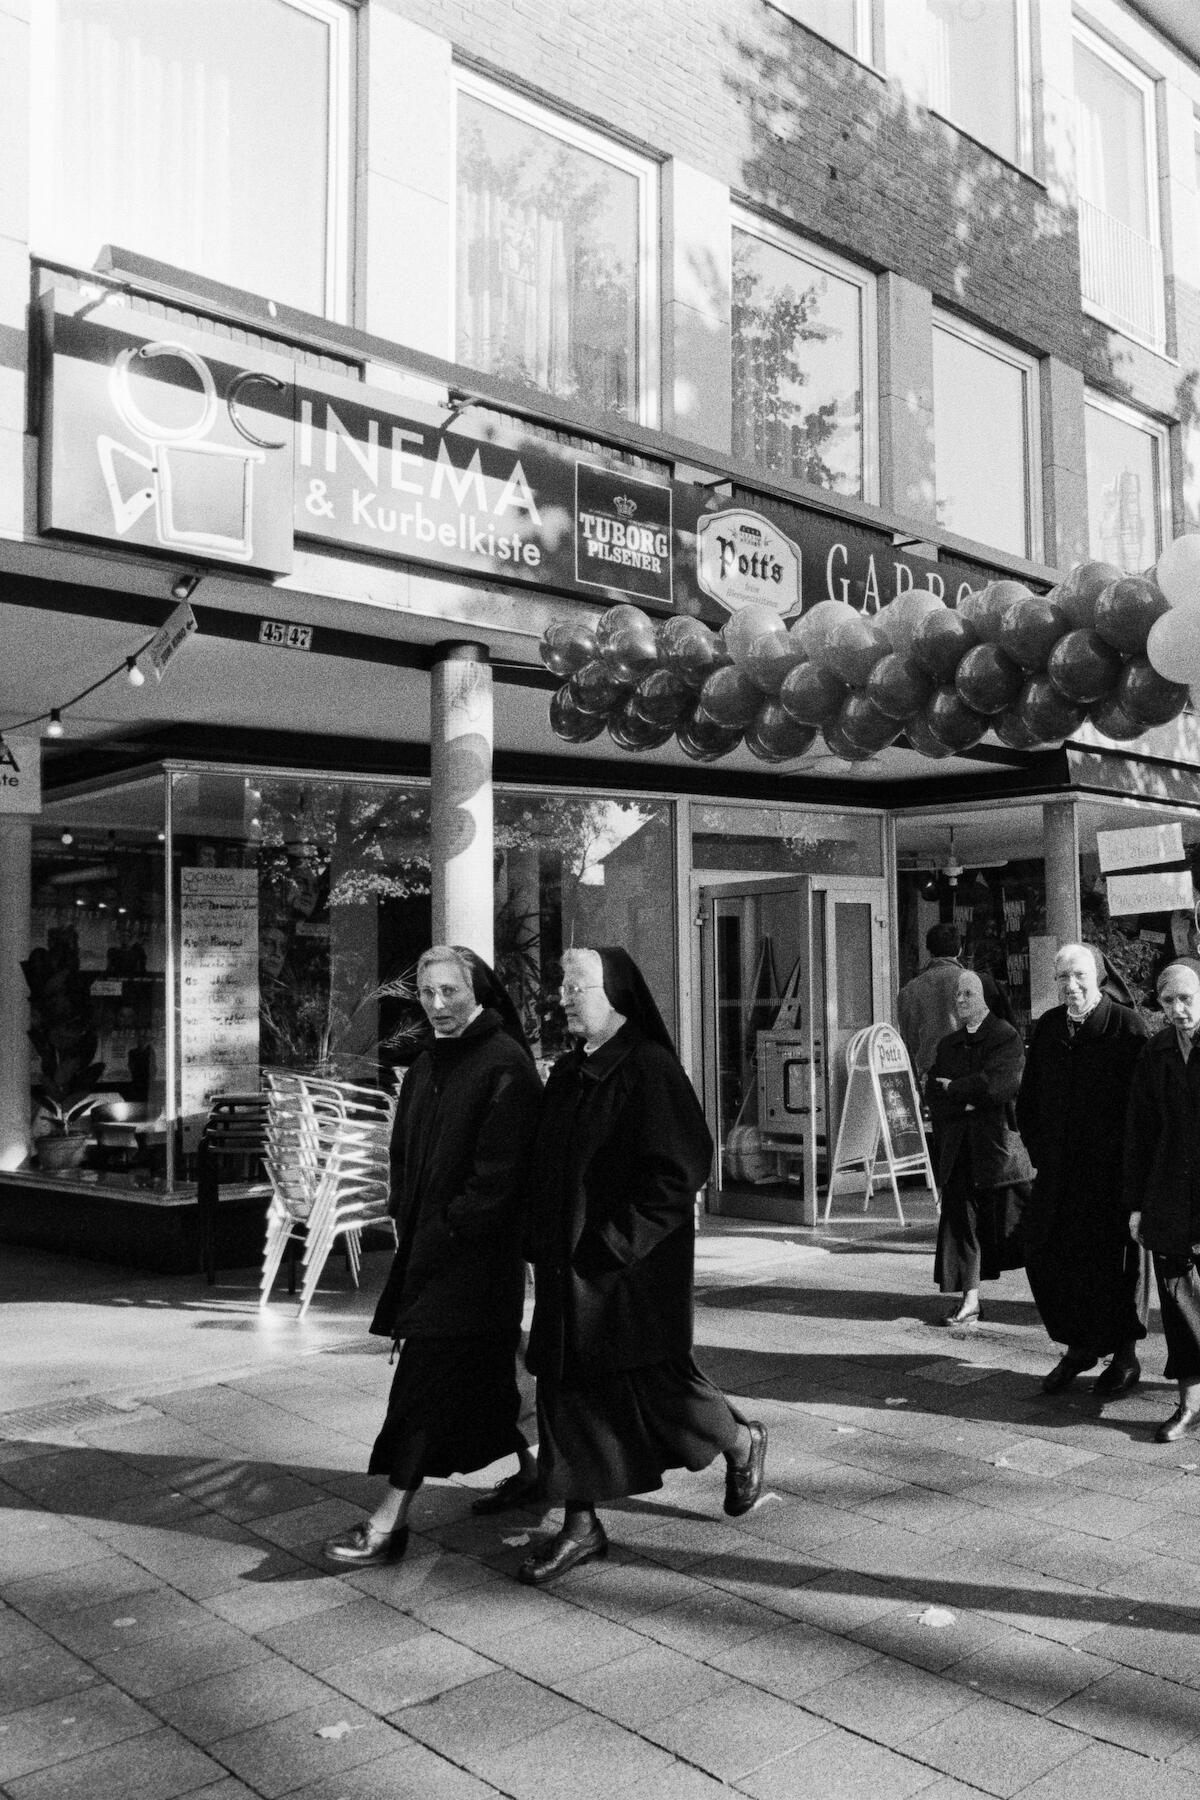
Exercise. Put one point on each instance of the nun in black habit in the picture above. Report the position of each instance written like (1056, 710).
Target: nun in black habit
(455, 1294)
(621, 1149)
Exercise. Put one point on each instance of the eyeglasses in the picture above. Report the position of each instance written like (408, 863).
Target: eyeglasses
(570, 990)
(427, 995)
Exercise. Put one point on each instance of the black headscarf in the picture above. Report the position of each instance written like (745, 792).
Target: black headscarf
(490, 991)
(625, 986)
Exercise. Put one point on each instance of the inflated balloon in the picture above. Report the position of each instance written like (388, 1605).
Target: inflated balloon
(1030, 629)
(705, 742)
(567, 645)
(921, 739)
(811, 695)
(660, 698)
(941, 642)
(626, 641)
(730, 698)
(760, 643)
(1173, 644)
(629, 732)
(1126, 610)
(837, 742)
(852, 649)
(1046, 713)
(1177, 570)
(952, 721)
(689, 649)
(1082, 589)
(774, 737)
(566, 720)
(1110, 717)
(861, 723)
(986, 608)
(898, 686)
(1146, 695)
(1083, 667)
(987, 680)
(595, 688)
(1012, 730)
(811, 631)
(902, 618)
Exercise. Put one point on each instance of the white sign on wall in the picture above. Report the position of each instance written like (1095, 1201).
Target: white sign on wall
(1139, 847)
(218, 989)
(742, 559)
(20, 775)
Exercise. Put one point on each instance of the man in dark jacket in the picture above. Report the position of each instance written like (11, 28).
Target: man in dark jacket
(1090, 1282)
(454, 1297)
(925, 1005)
(1162, 1181)
(982, 1168)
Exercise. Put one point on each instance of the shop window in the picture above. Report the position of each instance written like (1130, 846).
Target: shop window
(555, 257)
(1127, 472)
(804, 383)
(1119, 238)
(846, 23)
(766, 840)
(987, 470)
(215, 136)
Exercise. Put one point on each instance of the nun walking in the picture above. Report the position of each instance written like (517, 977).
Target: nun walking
(621, 1148)
(455, 1294)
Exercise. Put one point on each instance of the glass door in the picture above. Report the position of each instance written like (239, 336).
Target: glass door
(849, 926)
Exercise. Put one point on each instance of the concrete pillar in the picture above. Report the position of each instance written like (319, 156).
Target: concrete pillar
(461, 834)
(1064, 465)
(697, 359)
(16, 871)
(1060, 835)
(906, 467)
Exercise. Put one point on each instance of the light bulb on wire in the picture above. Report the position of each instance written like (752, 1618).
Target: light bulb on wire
(134, 673)
(56, 728)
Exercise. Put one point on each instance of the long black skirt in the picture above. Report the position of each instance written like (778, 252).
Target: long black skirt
(607, 1434)
(453, 1407)
(1179, 1301)
(978, 1231)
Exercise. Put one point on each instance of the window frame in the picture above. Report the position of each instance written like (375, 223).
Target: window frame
(1030, 370)
(1023, 155)
(647, 173)
(1146, 84)
(339, 16)
(1159, 435)
(866, 281)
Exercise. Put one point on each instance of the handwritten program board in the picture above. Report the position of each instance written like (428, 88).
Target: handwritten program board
(881, 1117)
(218, 987)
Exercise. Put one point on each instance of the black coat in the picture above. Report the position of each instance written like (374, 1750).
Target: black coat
(1162, 1146)
(621, 1149)
(984, 1071)
(1071, 1113)
(459, 1155)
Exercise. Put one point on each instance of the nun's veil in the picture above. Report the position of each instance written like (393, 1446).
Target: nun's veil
(626, 988)
(490, 991)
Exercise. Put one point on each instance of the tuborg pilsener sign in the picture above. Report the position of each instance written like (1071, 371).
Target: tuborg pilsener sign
(186, 444)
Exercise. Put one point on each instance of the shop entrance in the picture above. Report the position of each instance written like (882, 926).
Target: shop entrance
(791, 968)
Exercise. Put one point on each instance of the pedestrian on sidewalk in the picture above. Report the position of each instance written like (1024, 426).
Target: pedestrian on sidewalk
(925, 1005)
(455, 1294)
(622, 1147)
(1162, 1181)
(982, 1168)
(1089, 1281)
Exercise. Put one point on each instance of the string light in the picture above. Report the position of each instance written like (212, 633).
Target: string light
(55, 728)
(136, 677)
(68, 837)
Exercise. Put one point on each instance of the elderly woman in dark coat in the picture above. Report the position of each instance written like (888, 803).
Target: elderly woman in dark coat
(621, 1149)
(464, 1125)
(1162, 1181)
(983, 1171)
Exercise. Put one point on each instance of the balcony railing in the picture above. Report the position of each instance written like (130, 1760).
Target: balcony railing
(1121, 275)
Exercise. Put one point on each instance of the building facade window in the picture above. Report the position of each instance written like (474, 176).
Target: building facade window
(555, 255)
(987, 473)
(977, 71)
(846, 23)
(1119, 235)
(1128, 465)
(215, 137)
(804, 380)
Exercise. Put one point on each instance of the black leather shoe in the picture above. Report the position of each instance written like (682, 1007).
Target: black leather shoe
(1121, 1374)
(743, 1486)
(514, 1490)
(1065, 1370)
(1182, 1422)
(362, 1548)
(560, 1554)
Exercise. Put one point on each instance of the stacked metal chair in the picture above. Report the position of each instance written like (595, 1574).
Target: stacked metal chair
(327, 1159)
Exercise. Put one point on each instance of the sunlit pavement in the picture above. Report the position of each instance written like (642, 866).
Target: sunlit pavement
(952, 1585)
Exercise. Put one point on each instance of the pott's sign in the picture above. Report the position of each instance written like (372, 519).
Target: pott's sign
(743, 560)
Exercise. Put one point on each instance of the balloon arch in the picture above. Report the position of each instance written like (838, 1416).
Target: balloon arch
(1120, 650)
